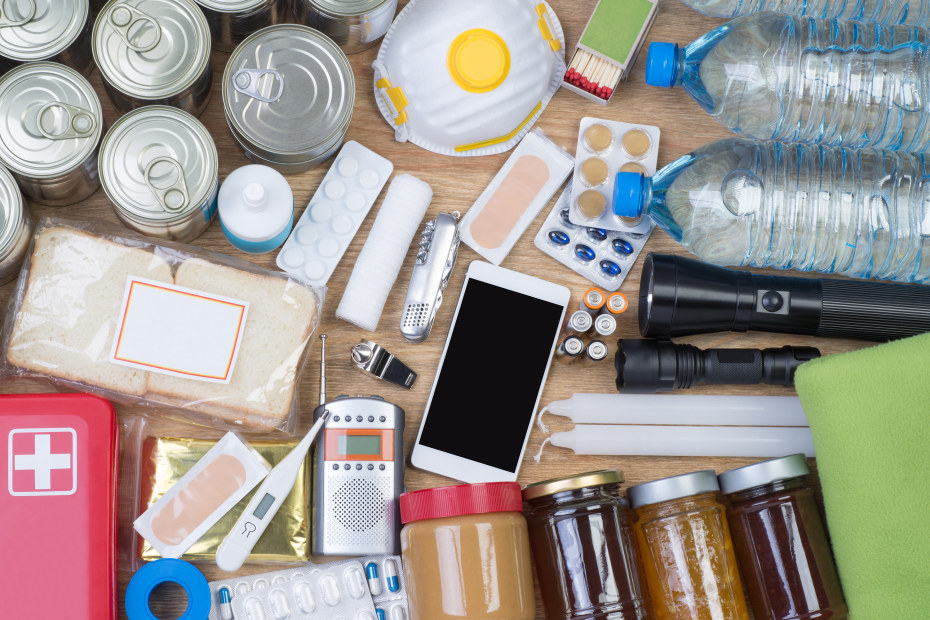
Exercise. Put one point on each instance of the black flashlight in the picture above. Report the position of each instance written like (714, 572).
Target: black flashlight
(679, 297)
(648, 366)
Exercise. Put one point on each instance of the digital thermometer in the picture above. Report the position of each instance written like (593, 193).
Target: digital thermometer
(238, 544)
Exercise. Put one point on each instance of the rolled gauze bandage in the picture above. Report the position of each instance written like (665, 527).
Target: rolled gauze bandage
(383, 253)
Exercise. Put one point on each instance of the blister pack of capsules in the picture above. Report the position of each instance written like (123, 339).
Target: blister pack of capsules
(604, 149)
(602, 256)
(310, 592)
(388, 587)
(335, 213)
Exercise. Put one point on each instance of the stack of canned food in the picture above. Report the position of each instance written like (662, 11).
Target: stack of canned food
(288, 94)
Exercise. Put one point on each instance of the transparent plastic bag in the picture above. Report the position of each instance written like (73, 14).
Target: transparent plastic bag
(153, 323)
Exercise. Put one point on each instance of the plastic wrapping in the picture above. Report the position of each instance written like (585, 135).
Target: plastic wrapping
(154, 323)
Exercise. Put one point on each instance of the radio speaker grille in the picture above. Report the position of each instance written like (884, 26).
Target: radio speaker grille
(363, 509)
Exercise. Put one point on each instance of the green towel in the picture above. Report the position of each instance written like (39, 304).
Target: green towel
(869, 412)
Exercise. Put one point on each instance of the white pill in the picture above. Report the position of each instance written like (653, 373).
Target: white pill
(398, 613)
(279, 607)
(368, 179)
(304, 597)
(330, 590)
(355, 582)
(355, 201)
(307, 235)
(347, 166)
(321, 212)
(341, 225)
(315, 270)
(253, 609)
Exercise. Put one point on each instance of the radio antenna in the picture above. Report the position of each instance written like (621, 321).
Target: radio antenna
(322, 369)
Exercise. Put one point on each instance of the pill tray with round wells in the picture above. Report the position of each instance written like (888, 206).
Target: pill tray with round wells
(334, 214)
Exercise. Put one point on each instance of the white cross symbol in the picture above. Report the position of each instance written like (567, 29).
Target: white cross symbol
(42, 462)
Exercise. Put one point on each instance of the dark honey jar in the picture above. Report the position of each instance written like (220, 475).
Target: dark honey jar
(583, 550)
(780, 542)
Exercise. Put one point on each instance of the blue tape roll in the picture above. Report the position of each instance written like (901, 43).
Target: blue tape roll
(163, 571)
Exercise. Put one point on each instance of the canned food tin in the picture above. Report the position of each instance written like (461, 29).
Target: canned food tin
(355, 25)
(15, 227)
(50, 127)
(231, 21)
(50, 30)
(154, 52)
(159, 168)
(288, 93)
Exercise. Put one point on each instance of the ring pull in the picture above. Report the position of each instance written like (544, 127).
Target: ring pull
(138, 30)
(173, 198)
(62, 121)
(249, 82)
(6, 21)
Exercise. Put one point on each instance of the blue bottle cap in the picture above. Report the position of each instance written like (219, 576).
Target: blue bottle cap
(661, 64)
(628, 194)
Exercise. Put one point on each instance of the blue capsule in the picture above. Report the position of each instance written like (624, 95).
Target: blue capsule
(610, 268)
(558, 237)
(563, 215)
(584, 253)
(597, 234)
(622, 246)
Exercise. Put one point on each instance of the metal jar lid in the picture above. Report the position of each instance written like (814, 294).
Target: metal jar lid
(339, 8)
(766, 472)
(40, 29)
(151, 49)
(288, 90)
(50, 119)
(11, 212)
(158, 164)
(572, 483)
(232, 6)
(675, 487)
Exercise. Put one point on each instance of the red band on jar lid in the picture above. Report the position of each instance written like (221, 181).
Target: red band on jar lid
(463, 499)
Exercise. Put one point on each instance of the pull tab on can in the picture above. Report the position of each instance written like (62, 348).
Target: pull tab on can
(173, 198)
(63, 121)
(8, 20)
(248, 82)
(139, 31)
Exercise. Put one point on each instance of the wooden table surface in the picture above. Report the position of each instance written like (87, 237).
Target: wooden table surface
(456, 183)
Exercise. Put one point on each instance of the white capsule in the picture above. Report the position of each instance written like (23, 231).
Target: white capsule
(355, 582)
(253, 609)
(330, 590)
(304, 597)
(279, 607)
(398, 613)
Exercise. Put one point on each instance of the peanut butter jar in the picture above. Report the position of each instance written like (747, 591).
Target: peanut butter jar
(466, 553)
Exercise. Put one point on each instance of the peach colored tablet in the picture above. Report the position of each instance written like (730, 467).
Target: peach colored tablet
(510, 201)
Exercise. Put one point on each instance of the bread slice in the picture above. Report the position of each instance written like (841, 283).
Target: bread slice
(65, 326)
(277, 331)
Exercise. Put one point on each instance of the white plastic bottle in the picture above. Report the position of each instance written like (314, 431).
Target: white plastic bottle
(256, 208)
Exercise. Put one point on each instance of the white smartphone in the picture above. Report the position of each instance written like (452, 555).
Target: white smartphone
(490, 379)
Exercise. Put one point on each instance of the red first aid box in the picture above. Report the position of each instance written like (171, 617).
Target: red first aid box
(59, 456)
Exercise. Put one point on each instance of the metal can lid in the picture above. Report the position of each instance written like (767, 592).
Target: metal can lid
(572, 483)
(289, 90)
(151, 49)
(339, 8)
(11, 211)
(232, 6)
(674, 487)
(596, 351)
(50, 119)
(40, 29)
(766, 472)
(158, 163)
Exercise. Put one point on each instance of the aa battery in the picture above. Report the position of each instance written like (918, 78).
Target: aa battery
(595, 352)
(605, 324)
(615, 303)
(579, 323)
(593, 300)
(569, 350)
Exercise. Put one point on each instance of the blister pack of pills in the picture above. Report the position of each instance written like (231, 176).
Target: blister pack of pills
(387, 585)
(310, 592)
(334, 214)
(604, 149)
(602, 256)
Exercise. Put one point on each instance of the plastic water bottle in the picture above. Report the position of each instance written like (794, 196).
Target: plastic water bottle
(862, 213)
(915, 12)
(776, 77)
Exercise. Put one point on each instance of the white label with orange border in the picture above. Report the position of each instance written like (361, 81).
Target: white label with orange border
(179, 331)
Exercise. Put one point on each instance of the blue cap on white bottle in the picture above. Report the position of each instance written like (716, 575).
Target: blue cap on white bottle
(662, 64)
(256, 208)
(629, 194)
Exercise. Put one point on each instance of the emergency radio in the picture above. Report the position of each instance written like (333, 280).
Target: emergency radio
(358, 475)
